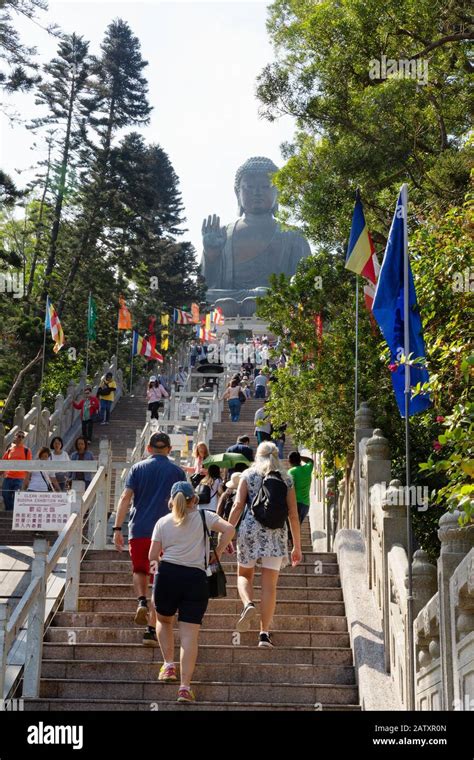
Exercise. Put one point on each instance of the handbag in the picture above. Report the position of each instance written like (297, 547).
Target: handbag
(217, 582)
(242, 397)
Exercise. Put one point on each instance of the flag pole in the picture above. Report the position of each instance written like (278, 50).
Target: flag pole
(131, 364)
(356, 369)
(44, 352)
(406, 349)
(88, 335)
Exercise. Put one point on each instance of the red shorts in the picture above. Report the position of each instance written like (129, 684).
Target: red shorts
(139, 549)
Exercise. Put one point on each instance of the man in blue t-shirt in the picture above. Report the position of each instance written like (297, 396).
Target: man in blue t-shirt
(149, 485)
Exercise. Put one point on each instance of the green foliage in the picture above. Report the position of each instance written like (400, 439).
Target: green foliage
(359, 128)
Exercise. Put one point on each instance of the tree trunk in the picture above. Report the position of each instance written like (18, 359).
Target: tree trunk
(60, 195)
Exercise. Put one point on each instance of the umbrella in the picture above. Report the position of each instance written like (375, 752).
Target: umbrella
(226, 460)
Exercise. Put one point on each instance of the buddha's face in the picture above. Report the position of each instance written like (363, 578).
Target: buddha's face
(257, 195)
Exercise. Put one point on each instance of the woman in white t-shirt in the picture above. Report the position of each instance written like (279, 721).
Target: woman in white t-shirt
(58, 454)
(181, 581)
(41, 481)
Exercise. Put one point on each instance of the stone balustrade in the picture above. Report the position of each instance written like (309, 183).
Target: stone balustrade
(374, 508)
(40, 425)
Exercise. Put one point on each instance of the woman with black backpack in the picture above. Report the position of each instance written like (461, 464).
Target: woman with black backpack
(267, 495)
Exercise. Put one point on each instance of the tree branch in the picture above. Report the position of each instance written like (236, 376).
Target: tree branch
(19, 378)
(444, 41)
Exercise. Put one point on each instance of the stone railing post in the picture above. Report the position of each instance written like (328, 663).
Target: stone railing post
(73, 568)
(43, 432)
(377, 472)
(34, 636)
(456, 542)
(59, 414)
(3, 648)
(364, 425)
(103, 495)
(19, 416)
(36, 405)
(2, 438)
(424, 586)
(392, 531)
(462, 627)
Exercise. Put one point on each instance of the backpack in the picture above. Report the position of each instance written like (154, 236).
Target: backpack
(204, 493)
(228, 505)
(269, 505)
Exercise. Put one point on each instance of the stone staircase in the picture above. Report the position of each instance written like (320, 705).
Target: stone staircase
(128, 416)
(226, 433)
(93, 659)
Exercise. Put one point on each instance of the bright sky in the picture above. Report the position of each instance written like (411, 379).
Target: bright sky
(204, 58)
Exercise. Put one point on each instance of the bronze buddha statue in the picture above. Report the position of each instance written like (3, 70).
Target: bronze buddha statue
(238, 259)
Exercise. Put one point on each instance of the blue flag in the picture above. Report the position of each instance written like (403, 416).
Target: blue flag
(388, 310)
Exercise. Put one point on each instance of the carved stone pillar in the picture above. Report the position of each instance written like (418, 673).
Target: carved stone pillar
(364, 425)
(456, 542)
(377, 472)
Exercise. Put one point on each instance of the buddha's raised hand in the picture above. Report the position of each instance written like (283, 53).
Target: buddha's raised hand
(213, 235)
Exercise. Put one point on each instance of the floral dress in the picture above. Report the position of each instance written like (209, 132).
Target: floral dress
(254, 540)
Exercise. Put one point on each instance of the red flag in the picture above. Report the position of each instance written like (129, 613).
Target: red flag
(151, 332)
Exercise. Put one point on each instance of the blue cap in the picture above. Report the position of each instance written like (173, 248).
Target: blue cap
(182, 486)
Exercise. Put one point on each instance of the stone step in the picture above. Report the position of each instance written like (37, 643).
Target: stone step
(124, 566)
(208, 653)
(318, 621)
(222, 692)
(207, 637)
(126, 591)
(285, 580)
(218, 606)
(146, 673)
(112, 555)
(96, 705)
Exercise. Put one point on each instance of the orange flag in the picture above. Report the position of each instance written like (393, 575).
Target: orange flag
(124, 316)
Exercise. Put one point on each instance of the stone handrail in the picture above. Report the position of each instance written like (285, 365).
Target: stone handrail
(88, 516)
(374, 507)
(40, 425)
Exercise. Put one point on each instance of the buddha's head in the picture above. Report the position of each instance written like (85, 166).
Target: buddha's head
(253, 186)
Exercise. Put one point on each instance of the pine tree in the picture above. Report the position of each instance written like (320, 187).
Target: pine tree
(119, 100)
(19, 72)
(62, 90)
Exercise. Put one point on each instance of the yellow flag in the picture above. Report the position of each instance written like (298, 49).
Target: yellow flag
(165, 320)
(208, 321)
(164, 342)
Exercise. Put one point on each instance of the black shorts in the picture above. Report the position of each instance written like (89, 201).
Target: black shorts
(183, 589)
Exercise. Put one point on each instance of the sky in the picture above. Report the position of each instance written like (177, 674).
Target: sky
(204, 58)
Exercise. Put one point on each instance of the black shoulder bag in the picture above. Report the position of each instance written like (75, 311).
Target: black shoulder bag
(217, 581)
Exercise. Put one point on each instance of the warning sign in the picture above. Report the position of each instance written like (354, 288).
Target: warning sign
(41, 511)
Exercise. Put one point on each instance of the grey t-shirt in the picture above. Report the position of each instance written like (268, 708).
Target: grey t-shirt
(184, 544)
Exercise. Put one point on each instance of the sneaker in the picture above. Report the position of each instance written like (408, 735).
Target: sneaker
(245, 620)
(103, 423)
(149, 639)
(141, 615)
(167, 673)
(185, 695)
(265, 640)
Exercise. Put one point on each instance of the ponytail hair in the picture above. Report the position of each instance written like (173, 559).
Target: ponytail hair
(179, 506)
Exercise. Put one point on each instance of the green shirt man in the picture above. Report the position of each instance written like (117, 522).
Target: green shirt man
(301, 473)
